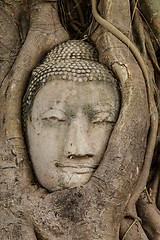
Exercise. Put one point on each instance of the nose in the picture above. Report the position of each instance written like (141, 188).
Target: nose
(77, 143)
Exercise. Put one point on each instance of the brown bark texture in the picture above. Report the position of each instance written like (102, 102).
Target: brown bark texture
(122, 200)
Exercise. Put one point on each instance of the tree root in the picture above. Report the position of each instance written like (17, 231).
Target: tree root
(124, 237)
(150, 216)
(131, 230)
(45, 32)
(131, 210)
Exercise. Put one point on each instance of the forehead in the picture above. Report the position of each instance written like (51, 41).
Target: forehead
(75, 94)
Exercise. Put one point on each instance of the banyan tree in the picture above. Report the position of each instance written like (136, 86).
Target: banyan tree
(79, 120)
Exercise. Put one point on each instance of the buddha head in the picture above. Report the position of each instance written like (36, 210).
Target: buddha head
(69, 111)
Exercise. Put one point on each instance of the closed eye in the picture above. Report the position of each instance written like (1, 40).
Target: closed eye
(105, 120)
(53, 116)
(104, 117)
(53, 119)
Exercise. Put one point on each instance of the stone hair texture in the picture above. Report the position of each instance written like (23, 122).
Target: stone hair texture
(74, 60)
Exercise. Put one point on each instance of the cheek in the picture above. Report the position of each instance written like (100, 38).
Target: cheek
(46, 142)
(99, 137)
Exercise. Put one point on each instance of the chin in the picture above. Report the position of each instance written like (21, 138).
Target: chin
(78, 180)
(70, 181)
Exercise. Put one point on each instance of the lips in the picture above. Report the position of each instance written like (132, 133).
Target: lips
(77, 168)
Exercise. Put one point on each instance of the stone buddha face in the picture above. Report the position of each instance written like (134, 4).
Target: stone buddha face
(69, 110)
(68, 129)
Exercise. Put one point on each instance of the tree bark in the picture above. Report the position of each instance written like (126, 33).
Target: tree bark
(106, 207)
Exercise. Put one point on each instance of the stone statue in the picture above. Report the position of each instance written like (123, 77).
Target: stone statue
(70, 107)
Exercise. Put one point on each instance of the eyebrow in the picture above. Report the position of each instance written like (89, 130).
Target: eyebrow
(108, 111)
(98, 108)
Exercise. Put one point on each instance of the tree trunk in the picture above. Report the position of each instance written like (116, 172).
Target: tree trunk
(121, 197)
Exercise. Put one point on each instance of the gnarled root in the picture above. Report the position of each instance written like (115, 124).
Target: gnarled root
(45, 32)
